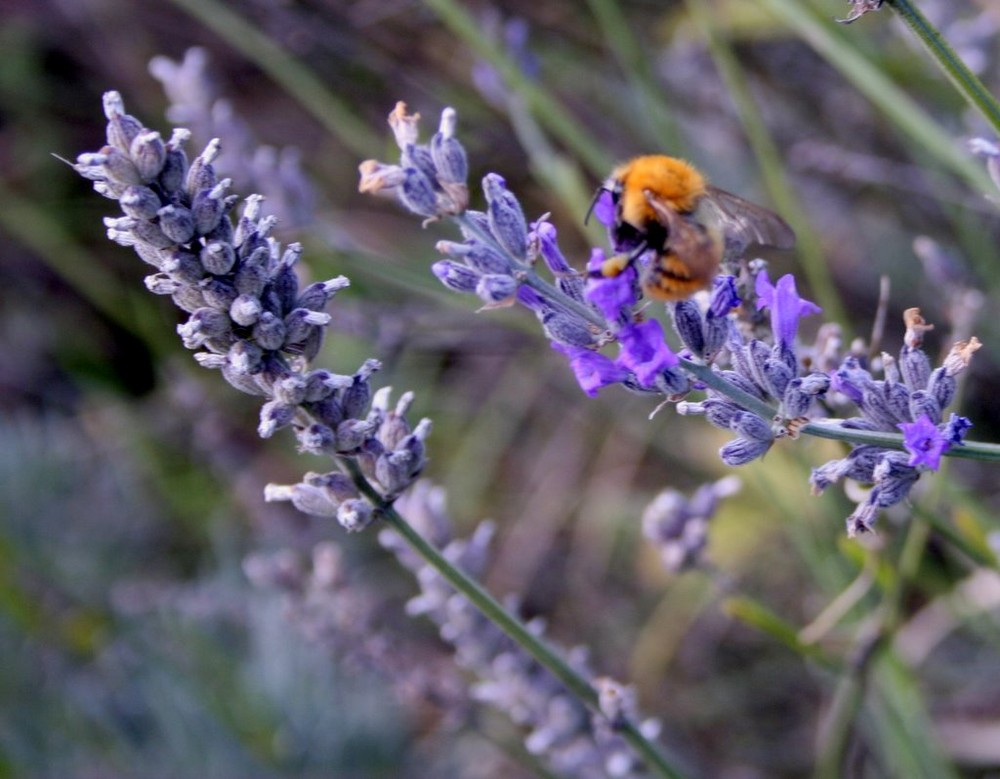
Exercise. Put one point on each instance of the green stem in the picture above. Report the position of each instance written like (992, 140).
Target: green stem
(965, 81)
(969, 450)
(474, 592)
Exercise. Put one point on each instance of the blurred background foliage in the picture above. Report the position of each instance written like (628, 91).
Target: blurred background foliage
(131, 489)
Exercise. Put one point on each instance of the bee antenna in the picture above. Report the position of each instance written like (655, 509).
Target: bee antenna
(593, 202)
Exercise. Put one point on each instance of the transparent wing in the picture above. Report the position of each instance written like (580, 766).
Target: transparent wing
(745, 223)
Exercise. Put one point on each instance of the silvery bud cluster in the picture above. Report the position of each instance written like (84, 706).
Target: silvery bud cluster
(561, 732)
(249, 317)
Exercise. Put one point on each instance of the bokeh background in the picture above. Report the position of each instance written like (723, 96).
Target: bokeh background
(132, 642)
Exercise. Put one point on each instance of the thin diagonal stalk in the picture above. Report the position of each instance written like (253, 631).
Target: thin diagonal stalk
(873, 83)
(510, 625)
(965, 81)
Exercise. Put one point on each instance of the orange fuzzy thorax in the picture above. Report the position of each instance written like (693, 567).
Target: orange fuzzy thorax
(671, 180)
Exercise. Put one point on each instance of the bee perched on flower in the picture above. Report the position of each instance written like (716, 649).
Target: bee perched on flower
(664, 208)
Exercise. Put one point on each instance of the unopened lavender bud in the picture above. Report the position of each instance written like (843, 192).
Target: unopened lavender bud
(201, 174)
(687, 322)
(218, 293)
(175, 163)
(757, 354)
(914, 367)
(245, 357)
(140, 202)
(890, 370)
(269, 331)
(923, 403)
(356, 397)
(275, 415)
(148, 153)
(244, 382)
(218, 258)
(898, 401)
(777, 374)
(318, 294)
(749, 425)
(149, 233)
(328, 410)
(876, 407)
(203, 324)
(290, 390)
(188, 298)
(352, 434)
(493, 288)
(119, 168)
(862, 519)
(740, 451)
(122, 127)
(417, 193)
(251, 275)
(208, 207)
(321, 384)
(317, 501)
(449, 158)
(285, 285)
(724, 297)
(720, 413)
(744, 383)
(942, 386)
(162, 284)
(568, 329)
(355, 515)
(317, 439)
(795, 402)
(716, 332)
(456, 276)
(177, 223)
(394, 470)
(480, 225)
(486, 259)
(300, 323)
(506, 218)
(183, 266)
(151, 255)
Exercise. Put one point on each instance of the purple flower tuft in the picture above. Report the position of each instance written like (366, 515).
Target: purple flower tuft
(644, 352)
(610, 294)
(724, 296)
(924, 442)
(956, 428)
(785, 304)
(604, 208)
(593, 370)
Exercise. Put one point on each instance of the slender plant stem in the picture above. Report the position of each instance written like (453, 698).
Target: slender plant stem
(513, 627)
(965, 81)
(872, 82)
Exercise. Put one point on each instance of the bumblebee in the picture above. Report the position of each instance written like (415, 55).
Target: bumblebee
(664, 206)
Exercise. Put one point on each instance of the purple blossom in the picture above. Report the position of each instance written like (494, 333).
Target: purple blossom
(956, 428)
(609, 293)
(724, 296)
(785, 304)
(924, 442)
(644, 352)
(593, 370)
